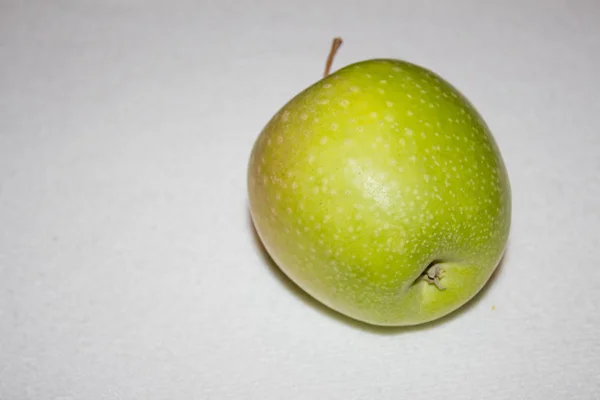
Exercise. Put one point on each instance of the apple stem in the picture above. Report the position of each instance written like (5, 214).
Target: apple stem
(335, 45)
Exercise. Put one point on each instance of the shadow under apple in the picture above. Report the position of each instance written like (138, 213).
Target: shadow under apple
(380, 330)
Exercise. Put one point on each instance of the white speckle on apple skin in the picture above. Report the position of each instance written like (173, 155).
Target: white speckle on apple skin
(387, 182)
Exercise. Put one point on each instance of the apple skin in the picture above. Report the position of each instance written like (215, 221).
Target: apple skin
(371, 175)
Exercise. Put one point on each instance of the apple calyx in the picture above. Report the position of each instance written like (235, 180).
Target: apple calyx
(433, 274)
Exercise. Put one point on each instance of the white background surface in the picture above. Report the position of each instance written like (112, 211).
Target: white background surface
(128, 267)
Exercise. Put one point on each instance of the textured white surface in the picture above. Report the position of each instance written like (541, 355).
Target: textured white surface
(128, 267)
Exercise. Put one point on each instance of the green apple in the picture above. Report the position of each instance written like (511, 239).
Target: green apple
(381, 192)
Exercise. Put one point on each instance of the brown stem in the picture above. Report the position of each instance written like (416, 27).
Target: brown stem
(335, 45)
